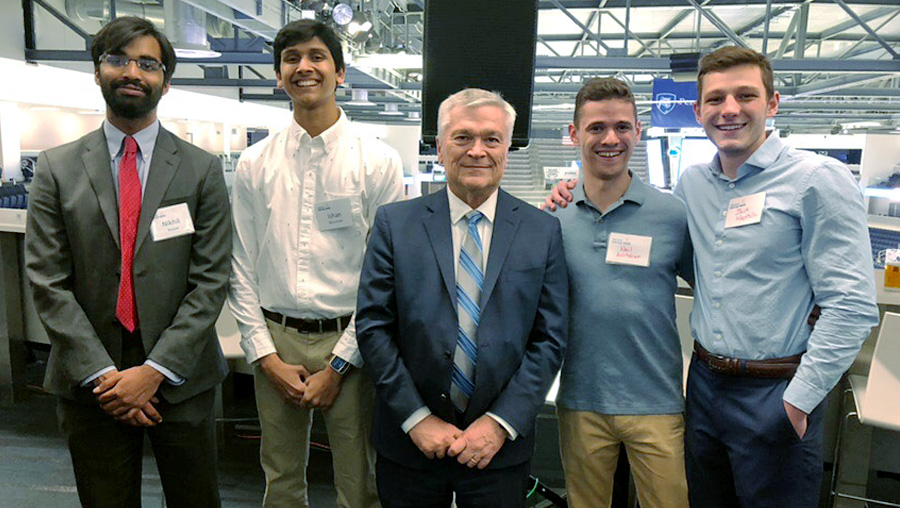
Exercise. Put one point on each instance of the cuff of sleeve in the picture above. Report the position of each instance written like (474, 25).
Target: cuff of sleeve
(347, 347)
(414, 419)
(173, 378)
(803, 395)
(90, 379)
(511, 433)
(258, 346)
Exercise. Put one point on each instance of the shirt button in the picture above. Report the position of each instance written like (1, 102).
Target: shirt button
(717, 273)
(717, 336)
(717, 305)
(731, 185)
(719, 242)
(724, 213)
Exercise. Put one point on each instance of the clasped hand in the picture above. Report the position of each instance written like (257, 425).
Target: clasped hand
(128, 396)
(474, 447)
(295, 384)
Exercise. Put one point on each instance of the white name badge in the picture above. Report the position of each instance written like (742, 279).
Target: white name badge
(745, 210)
(334, 214)
(171, 221)
(628, 250)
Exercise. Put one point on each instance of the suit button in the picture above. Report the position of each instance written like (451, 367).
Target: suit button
(447, 354)
(444, 397)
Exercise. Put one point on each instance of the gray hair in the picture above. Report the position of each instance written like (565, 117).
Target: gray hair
(474, 98)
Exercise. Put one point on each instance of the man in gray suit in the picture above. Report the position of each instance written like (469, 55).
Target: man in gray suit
(127, 250)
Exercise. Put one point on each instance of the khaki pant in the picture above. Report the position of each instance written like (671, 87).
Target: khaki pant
(284, 450)
(590, 451)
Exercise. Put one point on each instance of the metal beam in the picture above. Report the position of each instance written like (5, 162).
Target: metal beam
(64, 20)
(580, 24)
(718, 23)
(792, 27)
(620, 4)
(834, 84)
(745, 32)
(850, 23)
(629, 33)
(226, 13)
(866, 27)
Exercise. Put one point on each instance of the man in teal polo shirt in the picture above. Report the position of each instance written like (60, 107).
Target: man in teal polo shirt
(621, 382)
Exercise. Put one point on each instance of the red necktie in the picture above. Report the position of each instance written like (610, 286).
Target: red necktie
(129, 211)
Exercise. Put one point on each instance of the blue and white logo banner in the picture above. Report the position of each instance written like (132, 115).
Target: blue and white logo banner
(673, 104)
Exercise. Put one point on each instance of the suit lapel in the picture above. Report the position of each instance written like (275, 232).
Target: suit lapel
(506, 222)
(162, 169)
(437, 226)
(95, 158)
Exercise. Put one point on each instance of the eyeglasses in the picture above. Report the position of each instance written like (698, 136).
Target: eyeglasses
(144, 63)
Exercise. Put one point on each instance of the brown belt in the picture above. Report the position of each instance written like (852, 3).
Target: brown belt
(309, 325)
(781, 368)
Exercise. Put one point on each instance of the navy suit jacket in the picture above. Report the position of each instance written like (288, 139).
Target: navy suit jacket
(407, 324)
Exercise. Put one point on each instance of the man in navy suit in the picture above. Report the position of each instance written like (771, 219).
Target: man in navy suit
(461, 320)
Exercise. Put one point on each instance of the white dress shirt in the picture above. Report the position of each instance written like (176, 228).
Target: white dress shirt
(458, 229)
(282, 261)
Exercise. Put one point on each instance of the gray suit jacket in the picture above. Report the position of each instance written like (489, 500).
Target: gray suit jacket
(72, 260)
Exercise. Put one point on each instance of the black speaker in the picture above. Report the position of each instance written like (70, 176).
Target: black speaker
(479, 44)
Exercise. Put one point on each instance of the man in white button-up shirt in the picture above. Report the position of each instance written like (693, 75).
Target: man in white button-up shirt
(303, 201)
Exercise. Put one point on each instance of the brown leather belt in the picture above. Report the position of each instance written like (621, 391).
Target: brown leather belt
(780, 368)
(309, 325)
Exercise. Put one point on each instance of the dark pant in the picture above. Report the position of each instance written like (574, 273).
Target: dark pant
(740, 447)
(402, 487)
(107, 455)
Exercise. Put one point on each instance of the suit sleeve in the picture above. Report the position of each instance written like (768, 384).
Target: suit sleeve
(376, 325)
(49, 267)
(521, 400)
(183, 341)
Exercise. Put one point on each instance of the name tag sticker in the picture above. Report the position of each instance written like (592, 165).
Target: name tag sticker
(631, 250)
(746, 210)
(170, 222)
(334, 214)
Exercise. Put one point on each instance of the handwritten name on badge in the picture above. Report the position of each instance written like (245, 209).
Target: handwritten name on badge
(631, 250)
(170, 222)
(334, 214)
(745, 210)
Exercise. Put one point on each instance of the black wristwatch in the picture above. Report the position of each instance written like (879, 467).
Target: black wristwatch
(339, 365)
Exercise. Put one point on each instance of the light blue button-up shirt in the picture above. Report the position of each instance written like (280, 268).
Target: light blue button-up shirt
(756, 284)
(624, 353)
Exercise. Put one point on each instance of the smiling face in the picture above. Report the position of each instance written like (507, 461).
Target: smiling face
(474, 149)
(308, 75)
(733, 111)
(607, 133)
(131, 93)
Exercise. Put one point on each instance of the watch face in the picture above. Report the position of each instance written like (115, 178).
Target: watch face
(340, 365)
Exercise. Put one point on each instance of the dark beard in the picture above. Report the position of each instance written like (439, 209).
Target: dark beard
(130, 107)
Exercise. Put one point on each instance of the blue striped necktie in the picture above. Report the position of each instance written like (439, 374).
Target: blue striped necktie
(469, 283)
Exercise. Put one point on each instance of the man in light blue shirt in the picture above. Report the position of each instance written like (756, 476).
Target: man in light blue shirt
(621, 382)
(776, 231)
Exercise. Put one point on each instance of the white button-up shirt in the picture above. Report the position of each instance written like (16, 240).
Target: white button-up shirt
(282, 260)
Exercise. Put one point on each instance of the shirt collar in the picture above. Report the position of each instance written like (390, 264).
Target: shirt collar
(635, 193)
(327, 138)
(145, 138)
(459, 208)
(762, 158)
